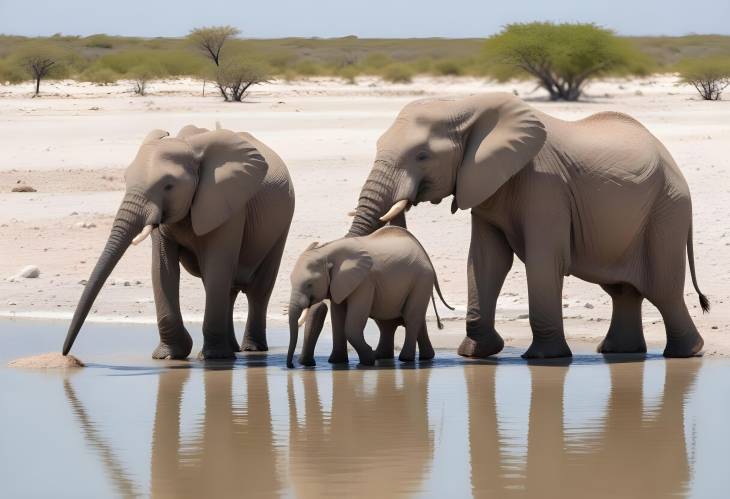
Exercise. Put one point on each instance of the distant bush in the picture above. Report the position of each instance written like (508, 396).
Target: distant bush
(210, 40)
(235, 77)
(308, 68)
(448, 68)
(143, 74)
(709, 75)
(11, 72)
(397, 73)
(99, 75)
(562, 57)
(349, 74)
(100, 41)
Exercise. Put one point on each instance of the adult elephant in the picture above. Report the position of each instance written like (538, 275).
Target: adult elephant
(599, 198)
(221, 204)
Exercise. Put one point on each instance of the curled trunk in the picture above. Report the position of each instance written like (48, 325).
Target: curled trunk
(129, 221)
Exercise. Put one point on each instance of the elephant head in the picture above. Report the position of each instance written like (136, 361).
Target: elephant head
(468, 147)
(333, 270)
(204, 175)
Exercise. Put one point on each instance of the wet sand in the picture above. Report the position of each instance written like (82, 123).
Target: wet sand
(619, 426)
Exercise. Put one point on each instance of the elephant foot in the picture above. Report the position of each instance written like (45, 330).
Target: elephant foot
(426, 353)
(550, 349)
(614, 345)
(307, 361)
(338, 358)
(407, 357)
(179, 350)
(367, 358)
(688, 345)
(216, 352)
(482, 347)
(251, 344)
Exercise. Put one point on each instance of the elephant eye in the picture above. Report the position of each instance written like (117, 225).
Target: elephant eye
(421, 156)
(168, 187)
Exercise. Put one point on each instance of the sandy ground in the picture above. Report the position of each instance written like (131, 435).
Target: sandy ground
(72, 145)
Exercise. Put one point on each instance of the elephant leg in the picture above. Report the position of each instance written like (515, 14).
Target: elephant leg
(386, 348)
(683, 339)
(425, 349)
(258, 295)
(231, 327)
(339, 339)
(218, 259)
(359, 304)
(175, 341)
(312, 330)
(625, 334)
(544, 289)
(489, 262)
(414, 317)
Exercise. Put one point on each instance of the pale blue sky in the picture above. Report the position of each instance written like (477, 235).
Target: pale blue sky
(364, 18)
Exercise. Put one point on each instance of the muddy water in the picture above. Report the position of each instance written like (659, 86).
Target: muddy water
(129, 426)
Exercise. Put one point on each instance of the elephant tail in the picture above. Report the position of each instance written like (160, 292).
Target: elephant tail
(439, 324)
(433, 300)
(704, 302)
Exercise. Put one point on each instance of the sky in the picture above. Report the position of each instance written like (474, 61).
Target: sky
(363, 18)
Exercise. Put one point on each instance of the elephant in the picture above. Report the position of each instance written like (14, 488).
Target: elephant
(599, 198)
(218, 202)
(386, 276)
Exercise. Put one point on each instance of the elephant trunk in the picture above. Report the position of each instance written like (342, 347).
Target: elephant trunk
(377, 196)
(129, 221)
(295, 310)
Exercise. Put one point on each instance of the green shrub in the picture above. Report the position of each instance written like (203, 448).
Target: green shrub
(709, 75)
(100, 41)
(308, 68)
(11, 72)
(448, 68)
(562, 57)
(349, 74)
(99, 75)
(397, 73)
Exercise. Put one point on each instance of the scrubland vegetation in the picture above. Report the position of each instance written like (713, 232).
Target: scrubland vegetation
(560, 57)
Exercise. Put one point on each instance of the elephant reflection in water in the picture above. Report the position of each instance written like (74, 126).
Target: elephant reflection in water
(637, 452)
(234, 451)
(230, 453)
(375, 442)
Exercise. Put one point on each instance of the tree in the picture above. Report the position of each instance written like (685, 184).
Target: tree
(235, 77)
(562, 57)
(709, 75)
(40, 61)
(211, 39)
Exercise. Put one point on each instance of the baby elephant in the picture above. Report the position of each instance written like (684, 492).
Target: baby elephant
(386, 276)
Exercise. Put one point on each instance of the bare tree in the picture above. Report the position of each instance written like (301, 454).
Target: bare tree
(40, 61)
(234, 78)
(211, 39)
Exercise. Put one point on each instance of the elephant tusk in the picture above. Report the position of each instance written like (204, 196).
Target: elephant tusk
(395, 210)
(142, 235)
(303, 317)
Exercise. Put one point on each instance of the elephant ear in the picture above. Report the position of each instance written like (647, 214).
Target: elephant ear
(189, 131)
(230, 173)
(348, 273)
(501, 142)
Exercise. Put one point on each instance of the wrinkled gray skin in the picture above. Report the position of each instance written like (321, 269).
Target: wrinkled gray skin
(221, 204)
(599, 198)
(386, 276)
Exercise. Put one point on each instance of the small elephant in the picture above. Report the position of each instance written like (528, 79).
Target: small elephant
(386, 276)
(221, 204)
(599, 198)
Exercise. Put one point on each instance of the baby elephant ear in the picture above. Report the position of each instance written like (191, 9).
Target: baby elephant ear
(502, 141)
(348, 273)
(155, 135)
(189, 131)
(231, 171)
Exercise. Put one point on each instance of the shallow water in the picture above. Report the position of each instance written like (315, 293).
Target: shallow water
(130, 426)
